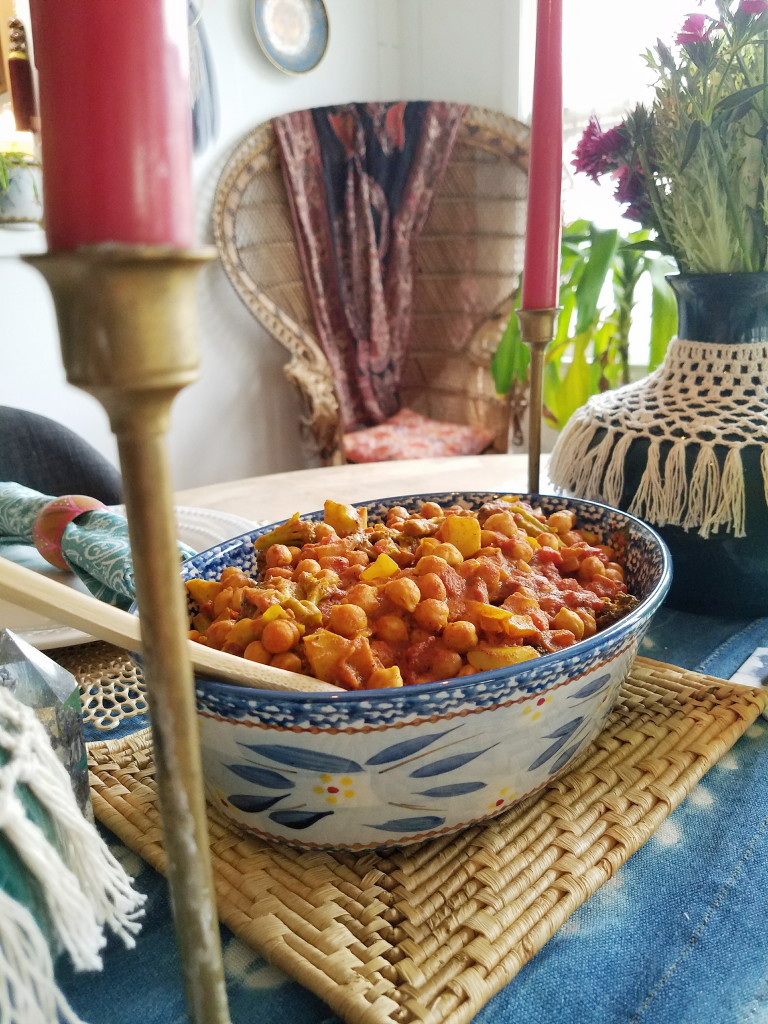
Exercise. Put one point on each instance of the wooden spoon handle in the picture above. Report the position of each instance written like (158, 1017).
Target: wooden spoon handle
(48, 597)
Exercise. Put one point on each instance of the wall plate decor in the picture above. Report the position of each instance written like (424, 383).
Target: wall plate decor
(292, 33)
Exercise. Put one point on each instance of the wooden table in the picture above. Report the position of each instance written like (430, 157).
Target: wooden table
(279, 495)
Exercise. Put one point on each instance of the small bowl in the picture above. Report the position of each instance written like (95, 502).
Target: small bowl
(365, 769)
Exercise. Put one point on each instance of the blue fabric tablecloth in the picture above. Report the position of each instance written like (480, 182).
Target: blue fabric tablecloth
(678, 936)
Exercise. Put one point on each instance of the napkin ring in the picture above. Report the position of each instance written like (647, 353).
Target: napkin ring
(53, 519)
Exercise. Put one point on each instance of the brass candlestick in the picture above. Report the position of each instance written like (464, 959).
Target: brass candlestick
(537, 329)
(127, 320)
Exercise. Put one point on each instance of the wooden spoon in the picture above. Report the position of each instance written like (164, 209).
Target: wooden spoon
(48, 597)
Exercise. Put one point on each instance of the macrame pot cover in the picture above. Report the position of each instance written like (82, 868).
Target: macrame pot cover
(686, 448)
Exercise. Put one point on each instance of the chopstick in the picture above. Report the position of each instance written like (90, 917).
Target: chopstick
(48, 597)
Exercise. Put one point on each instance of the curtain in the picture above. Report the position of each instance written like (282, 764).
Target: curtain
(360, 180)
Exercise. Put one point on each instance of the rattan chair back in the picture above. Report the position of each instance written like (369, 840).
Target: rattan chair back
(468, 258)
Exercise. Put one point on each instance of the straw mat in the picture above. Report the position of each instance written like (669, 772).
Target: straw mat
(429, 933)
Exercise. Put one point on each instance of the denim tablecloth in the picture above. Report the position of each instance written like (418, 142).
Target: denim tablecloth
(678, 936)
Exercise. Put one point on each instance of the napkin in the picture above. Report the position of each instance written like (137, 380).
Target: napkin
(95, 545)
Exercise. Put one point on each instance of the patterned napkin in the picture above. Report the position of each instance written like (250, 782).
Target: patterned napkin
(95, 545)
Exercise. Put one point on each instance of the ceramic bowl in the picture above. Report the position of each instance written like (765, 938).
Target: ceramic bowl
(366, 769)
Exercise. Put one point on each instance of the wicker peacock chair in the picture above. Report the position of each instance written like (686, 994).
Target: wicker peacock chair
(468, 258)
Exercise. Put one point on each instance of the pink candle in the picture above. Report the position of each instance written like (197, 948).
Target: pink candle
(115, 116)
(542, 239)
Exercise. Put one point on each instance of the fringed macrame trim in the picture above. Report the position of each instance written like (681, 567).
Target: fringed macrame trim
(713, 499)
(83, 885)
(28, 990)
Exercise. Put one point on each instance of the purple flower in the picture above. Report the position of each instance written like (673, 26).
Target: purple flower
(597, 151)
(693, 30)
(753, 6)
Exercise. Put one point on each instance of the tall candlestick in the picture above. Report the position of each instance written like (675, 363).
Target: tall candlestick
(116, 133)
(542, 239)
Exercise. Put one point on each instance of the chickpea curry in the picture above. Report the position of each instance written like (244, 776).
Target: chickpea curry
(423, 596)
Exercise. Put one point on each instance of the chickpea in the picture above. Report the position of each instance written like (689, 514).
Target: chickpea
(256, 651)
(431, 615)
(561, 522)
(222, 600)
(347, 619)
(391, 628)
(288, 660)
(522, 549)
(282, 572)
(590, 626)
(615, 571)
(397, 512)
(418, 636)
(460, 636)
(358, 558)
(449, 552)
(430, 585)
(233, 577)
(365, 596)
(403, 592)
(590, 567)
(431, 563)
(548, 540)
(426, 546)
(324, 533)
(218, 632)
(430, 510)
(444, 663)
(279, 635)
(566, 618)
(309, 565)
(502, 522)
(278, 556)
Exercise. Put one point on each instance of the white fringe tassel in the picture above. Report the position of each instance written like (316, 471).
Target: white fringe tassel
(83, 885)
(28, 990)
(712, 500)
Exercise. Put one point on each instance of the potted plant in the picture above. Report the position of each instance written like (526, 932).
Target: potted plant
(20, 188)
(600, 272)
(687, 447)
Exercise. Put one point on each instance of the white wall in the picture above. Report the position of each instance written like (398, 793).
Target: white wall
(240, 418)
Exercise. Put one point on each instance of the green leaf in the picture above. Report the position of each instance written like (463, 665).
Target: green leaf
(602, 251)
(510, 360)
(691, 143)
(735, 99)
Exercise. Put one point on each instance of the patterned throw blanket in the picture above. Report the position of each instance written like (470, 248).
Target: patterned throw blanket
(360, 179)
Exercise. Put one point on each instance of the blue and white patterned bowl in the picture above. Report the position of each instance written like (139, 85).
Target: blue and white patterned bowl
(365, 769)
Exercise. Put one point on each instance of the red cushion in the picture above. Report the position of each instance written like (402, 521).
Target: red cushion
(409, 435)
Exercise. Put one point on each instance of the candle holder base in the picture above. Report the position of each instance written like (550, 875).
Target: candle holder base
(128, 325)
(537, 329)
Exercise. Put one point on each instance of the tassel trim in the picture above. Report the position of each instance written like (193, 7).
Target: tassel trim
(713, 499)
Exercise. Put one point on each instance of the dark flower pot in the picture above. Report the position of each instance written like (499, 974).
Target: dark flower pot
(718, 369)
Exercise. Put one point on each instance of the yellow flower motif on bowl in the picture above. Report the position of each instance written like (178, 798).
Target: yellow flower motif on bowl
(334, 789)
(534, 709)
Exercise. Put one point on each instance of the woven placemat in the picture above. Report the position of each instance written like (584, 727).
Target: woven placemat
(430, 932)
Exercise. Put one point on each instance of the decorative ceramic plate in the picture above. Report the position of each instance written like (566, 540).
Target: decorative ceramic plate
(200, 528)
(292, 33)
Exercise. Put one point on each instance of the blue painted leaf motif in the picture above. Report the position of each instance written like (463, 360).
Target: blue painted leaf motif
(420, 824)
(457, 789)
(261, 776)
(254, 804)
(564, 758)
(592, 687)
(405, 749)
(298, 819)
(560, 736)
(311, 760)
(447, 764)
